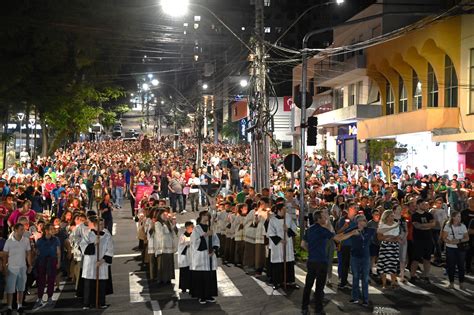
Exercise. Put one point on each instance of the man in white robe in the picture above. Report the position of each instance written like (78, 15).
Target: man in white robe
(203, 244)
(92, 242)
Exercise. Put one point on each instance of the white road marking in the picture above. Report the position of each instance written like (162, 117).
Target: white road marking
(56, 295)
(372, 290)
(114, 228)
(443, 284)
(300, 274)
(179, 295)
(127, 255)
(155, 306)
(138, 292)
(410, 287)
(268, 289)
(225, 286)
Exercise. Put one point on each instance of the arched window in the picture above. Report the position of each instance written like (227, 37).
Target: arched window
(451, 83)
(417, 97)
(403, 96)
(390, 103)
(432, 87)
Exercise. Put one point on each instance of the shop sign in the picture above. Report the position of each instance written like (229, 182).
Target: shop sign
(352, 130)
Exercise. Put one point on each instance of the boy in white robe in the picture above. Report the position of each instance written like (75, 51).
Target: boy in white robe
(184, 257)
(203, 244)
(281, 244)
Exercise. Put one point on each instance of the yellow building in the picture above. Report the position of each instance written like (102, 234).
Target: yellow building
(426, 86)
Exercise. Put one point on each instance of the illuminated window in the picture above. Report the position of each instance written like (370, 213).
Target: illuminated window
(267, 3)
(432, 88)
(417, 98)
(390, 103)
(267, 29)
(402, 92)
(450, 84)
(197, 18)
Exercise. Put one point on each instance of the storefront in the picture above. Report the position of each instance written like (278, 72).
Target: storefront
(429, 156)
(466, 159)
(349, 149)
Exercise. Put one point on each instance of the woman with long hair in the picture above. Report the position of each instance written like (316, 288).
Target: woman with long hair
(165, 245)
(388, 262)
(454, 233)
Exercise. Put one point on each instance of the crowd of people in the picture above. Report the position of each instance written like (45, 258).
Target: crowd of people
(57, 221)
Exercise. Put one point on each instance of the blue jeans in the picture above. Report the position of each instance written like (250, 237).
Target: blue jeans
(118, 196)
(360, 272)
(176, 201)
(455, 258)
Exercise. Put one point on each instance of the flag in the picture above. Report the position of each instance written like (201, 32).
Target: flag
(240, 110)
(287, 103)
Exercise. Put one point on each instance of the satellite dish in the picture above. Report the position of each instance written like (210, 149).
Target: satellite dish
(292, 162)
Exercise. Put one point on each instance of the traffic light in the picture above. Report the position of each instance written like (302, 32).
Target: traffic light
(312, 133)
(297, 98)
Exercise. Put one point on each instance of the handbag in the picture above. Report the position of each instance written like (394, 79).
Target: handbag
(461, 245)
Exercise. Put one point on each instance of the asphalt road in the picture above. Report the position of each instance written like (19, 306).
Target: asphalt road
(240, 293)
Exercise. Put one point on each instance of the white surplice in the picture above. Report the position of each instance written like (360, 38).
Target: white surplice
(200, 260)
(184, 242)
(165, 241)
(275, 228)
(106, 248)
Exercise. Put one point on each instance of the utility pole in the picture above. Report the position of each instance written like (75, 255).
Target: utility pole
(260, 116)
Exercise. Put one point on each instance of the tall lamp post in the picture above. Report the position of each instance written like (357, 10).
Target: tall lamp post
(304, 78)
(20, 116)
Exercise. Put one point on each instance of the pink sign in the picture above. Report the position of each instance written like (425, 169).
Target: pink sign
(142, 190)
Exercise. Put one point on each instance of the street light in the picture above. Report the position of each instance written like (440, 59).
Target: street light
(205, 86)
(145, 87)
(150, 76)
(318, 5)
(304, 75)
(175, 8)
(155, 82)
(243, 83)
(20, 116)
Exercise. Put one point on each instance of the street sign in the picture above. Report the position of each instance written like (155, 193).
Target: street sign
(292, 162)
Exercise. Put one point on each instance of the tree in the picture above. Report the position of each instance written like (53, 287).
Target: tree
(383, 151)
(56, 55)
(230, 130)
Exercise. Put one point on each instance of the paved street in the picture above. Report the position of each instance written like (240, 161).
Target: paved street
(242, 294)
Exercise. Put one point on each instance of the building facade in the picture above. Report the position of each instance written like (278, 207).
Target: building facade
(424, 80)
(416, 88)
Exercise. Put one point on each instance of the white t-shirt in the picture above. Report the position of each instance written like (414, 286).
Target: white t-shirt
(194, 182)
(392, 232)
(459, 232)
(16, 252)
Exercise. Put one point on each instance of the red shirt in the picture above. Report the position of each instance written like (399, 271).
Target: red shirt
(13, 219)
(187, 175)
(119, 182)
